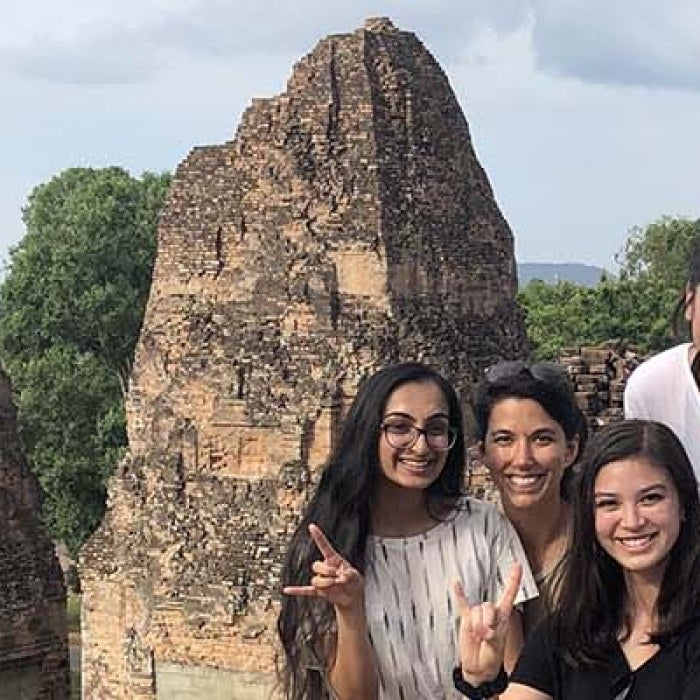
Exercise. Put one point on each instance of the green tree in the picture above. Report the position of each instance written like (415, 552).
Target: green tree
(71, 307)
(635, 309)
(659, 251)
(557, 315)
(656, 258)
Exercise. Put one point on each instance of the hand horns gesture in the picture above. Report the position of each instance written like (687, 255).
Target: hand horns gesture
(483, 630)
(334, 579)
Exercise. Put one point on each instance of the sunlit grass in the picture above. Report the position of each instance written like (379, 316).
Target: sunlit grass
(73, 603)
(73, 612)
(74, 685)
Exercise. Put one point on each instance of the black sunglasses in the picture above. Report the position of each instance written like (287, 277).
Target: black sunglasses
(541, 371)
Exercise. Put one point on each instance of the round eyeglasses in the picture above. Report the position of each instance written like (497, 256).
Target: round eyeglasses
(401, 436)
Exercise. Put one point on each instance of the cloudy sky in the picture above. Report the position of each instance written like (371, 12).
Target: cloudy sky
(585, 113)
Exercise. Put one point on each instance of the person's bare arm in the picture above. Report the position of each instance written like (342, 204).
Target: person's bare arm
(491, 636)
(352, 671)
(516, 691)
(353, 675)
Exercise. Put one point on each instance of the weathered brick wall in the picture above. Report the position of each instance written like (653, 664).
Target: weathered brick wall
(347, 226)
(599, 375)
(33, 632)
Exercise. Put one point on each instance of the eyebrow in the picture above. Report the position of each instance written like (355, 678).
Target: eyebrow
(537, 431)
(641, 491)
(402, 414)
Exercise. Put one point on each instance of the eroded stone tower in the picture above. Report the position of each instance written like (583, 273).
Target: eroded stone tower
(348, 225)
(33, 633)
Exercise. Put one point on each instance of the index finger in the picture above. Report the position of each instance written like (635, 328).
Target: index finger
(462, 601)
(324, 546)
(511, 590)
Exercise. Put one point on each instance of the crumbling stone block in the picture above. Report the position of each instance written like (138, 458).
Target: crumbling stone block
(33, 631)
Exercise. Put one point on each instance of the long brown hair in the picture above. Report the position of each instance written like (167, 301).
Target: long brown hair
(590, 613)
(690, 288)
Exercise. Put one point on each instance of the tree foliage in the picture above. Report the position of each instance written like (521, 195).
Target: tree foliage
(635, 309)
(71, 307)
(659, 251)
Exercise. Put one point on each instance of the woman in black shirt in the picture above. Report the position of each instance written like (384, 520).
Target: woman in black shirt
(627, 624)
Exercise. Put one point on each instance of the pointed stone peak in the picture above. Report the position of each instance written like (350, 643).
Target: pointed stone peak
(379, 24)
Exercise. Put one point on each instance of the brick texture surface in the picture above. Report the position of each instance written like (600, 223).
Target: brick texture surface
(33, 632)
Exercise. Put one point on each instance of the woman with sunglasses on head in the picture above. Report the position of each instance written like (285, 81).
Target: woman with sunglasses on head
(627, 623)
(667, 386)
(530, 431)
(369, 609)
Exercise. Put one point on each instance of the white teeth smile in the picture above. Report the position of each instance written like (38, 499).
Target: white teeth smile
(523, 481)
(635, 542)
(416, 466)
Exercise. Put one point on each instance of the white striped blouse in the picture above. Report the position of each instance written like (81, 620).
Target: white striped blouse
(411, 611)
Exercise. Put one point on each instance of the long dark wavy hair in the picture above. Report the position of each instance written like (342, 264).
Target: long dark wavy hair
(687, 295)
(341, 508)
(692, 283)
(545, 383)
(590, 615)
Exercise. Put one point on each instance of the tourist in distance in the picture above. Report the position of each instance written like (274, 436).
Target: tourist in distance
(667, 386)
(369, 609)
(530, 432)
(627, 621)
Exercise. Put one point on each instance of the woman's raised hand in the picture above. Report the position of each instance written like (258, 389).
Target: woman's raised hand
(483, 631)
(334, 578)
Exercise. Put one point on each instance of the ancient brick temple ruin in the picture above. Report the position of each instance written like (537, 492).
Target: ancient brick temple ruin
(348, 225)
(598, 375)
(33, 632)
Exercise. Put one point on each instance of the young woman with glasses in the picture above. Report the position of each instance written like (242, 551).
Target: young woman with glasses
(627, 622)
(667, 386)
(530, 431)
(369, 609)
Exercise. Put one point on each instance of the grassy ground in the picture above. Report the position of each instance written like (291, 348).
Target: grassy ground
(73, 617)
(74, 685)
(73, 613)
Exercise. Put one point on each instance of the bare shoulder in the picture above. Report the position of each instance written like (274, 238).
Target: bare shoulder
(517, 691)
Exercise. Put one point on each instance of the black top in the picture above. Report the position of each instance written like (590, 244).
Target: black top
(673, 672)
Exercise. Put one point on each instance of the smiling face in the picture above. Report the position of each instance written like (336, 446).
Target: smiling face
(421, 404)
(637, 515)
(527, 453)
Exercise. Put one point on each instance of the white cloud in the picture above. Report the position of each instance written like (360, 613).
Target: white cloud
(577, 145)
(91, 60)
(575, 164)
(627, 42)
(76, 41)
(81, 42)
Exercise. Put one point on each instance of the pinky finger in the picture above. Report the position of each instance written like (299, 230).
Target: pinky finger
(307, 591)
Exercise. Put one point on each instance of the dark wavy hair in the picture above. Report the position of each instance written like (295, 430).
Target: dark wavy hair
(692, 282)
(590, 615)
(341, 508)
(545, 383)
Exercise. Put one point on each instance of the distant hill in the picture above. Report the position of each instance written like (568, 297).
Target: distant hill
(585, 275)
